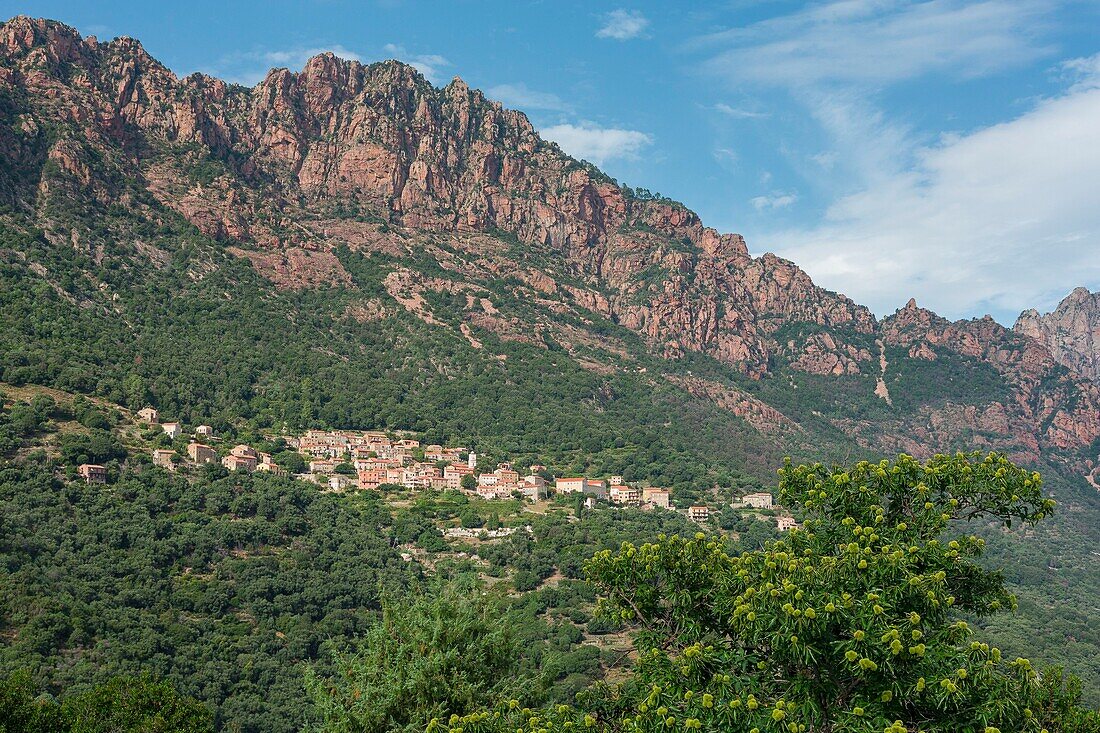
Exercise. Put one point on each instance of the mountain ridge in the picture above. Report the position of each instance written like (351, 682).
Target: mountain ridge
(375, 159)
(1071, 332)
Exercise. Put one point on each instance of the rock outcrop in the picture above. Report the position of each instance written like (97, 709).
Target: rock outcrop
(1056, 406)
(249, 165)
(1071, 333)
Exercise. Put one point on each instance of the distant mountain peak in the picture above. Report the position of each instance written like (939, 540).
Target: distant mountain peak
(1071, 331)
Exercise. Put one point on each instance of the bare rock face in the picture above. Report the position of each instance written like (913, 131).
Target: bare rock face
(1059, 408)
(1071, 333)
(379, 138)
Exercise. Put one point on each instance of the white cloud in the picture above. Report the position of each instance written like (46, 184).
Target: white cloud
(992, 220)
(727, 156)
(738, 113)
(880, 41)
(519, 96)
(297, 58)
(429, 64)
(597, 144)
(623, 25)
(249, 68)
(826, 160)
(99, 30)
(773, 201)
(998, 220)
(1084, 72)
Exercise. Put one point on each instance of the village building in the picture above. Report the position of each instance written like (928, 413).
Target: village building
(496, 491)
(372, 478)
(340, 482)
(395, 453)
(783, 524)
(92, 473)
(533, 487)
(325, 465)
(148, 415)
(698, 513)
(506, 474)
(396, 476)
(426, 476)
(264, 463)
(244, 451)
(321, 444)
(570, 485)
(201, 454)
(656, 497)
(235, 462)
(500, 484)
(759, 500)
(204, 431)
(625, 495)
(592, 487)
(453, 473)
(172, 429)
(163, 458)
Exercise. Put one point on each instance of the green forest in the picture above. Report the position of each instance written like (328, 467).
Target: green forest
(250, 602)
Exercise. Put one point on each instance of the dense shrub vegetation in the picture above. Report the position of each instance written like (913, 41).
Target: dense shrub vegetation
(849, 624)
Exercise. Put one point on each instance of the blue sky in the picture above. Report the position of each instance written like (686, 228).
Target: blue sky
(944, 150)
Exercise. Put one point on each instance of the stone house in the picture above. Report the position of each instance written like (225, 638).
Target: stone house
(92, 473)
(759, 500)
(698, 513)
(239, 463)
(533, 487)
(201, 454)
(574, 485)
(625, 495)
(163, 458)
(656, 497)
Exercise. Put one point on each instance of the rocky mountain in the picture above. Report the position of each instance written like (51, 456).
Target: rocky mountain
(486, 231)
(1071, 333)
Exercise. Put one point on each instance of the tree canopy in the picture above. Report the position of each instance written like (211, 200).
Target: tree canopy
(853, 622)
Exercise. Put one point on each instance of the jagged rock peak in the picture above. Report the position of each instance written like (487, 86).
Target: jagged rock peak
(382, 140)
(1071, 332)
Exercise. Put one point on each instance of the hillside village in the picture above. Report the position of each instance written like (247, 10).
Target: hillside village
(347, 460)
